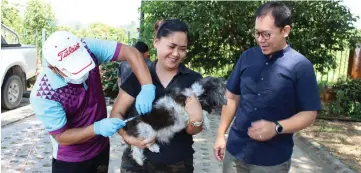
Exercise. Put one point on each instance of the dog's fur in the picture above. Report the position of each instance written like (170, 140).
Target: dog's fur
(168, 115)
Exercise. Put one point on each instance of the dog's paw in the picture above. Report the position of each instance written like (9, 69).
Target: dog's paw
(139, 161)
(137, 154)
(154, 148)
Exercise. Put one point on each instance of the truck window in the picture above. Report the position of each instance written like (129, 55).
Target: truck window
(8, 37)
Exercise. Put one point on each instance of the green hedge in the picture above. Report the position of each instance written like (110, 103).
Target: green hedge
(347, 101)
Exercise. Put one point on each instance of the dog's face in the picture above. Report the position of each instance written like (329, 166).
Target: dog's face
(213, 96)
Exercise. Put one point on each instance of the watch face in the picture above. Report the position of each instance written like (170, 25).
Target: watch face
(279, 129)
(197, 124)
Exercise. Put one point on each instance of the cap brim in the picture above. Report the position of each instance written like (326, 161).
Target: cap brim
(77, 64)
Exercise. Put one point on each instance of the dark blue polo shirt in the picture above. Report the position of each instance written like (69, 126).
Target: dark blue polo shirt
(272, 89)
(180, 146)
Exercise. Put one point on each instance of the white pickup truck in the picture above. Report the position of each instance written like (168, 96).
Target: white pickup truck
(18, 63)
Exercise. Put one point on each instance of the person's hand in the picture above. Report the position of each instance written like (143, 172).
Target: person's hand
(108, 126)
(193, 108)
(219, 147)
(145, 98)
(262, 130)
(138, 142)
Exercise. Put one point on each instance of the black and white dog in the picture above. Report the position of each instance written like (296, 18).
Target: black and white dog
(168, 115)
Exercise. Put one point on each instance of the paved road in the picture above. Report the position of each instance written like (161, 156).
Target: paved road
(26, 147)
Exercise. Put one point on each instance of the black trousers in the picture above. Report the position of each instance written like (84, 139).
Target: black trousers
(99, 164)
(129, 165)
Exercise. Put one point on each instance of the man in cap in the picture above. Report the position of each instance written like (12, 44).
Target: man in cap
(68, 99)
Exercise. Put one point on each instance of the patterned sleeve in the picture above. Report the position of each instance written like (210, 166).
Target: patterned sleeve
(49, 112)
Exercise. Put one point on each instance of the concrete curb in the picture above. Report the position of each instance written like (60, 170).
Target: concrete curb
(318, 151)
(15, 115)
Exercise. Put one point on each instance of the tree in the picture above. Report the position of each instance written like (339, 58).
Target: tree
(102, 31)
(65, 28)
(221, 31)
(10, 17)
(38, 15)
(131, 28)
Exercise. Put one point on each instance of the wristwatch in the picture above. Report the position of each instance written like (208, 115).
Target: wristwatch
(279, 128)
(195, 124)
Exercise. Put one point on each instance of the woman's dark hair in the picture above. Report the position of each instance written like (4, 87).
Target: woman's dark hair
(166, 27)
(278, 10)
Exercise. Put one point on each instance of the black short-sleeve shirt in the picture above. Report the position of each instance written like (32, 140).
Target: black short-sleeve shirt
(180, 146)
(124, 69)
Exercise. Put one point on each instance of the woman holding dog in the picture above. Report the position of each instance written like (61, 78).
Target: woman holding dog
(171, 41)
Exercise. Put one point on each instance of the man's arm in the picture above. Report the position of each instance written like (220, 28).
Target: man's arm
(106, 51)
(229, 110)
(298, 121)
(228, 113)
(308, 101)
(75, 135)
(233, 97)
(263, 130)
(53, 117)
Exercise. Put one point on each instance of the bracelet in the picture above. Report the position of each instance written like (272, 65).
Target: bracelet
(195, 124)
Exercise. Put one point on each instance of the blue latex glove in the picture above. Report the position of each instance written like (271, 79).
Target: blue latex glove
(108, 126)
(145, 99)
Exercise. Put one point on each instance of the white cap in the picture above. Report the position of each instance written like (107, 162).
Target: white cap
(65, 51)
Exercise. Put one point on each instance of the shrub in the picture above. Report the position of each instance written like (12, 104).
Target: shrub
(347, 102)
(109, 77)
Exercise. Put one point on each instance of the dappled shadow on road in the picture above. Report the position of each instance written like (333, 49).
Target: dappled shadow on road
(341, 139)
(25, 147)
(305, 165)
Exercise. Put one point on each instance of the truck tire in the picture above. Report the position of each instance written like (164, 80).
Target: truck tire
(11, 92)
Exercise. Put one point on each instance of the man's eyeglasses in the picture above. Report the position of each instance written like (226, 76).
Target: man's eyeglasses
(265, 35)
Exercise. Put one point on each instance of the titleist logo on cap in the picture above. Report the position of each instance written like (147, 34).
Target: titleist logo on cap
(67, 51)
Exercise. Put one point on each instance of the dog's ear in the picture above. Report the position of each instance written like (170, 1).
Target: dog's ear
(207, 108)
(177, 95)
(214, 92)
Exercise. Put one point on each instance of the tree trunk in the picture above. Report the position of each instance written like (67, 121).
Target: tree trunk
(354, 66)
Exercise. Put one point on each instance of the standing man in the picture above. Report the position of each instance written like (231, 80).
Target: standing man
(124, 69)
(273, 93)
(68, 99)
